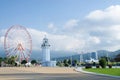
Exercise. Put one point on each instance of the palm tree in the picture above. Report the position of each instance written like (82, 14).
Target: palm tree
(10, 60)
(5, 60)
(1, 59)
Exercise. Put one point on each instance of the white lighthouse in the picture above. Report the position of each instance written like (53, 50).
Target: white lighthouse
(45, 50)
(46, 54)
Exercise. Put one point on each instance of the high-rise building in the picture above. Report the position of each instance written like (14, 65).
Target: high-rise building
(94, 55)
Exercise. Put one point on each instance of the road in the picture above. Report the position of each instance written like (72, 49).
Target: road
(39, 76)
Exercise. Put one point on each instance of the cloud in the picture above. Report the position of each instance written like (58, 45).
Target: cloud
(99, 30)
(65, 43)
(71, 24)
(111, 14)
(37, 37)
(2, 33)
(95, 40)
(1, 41)
(57, 42)
(52, 27)
(105, 25)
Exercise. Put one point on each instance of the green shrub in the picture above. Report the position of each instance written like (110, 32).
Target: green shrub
(33, 62)
(23, 62)
(110, 66)
(87, 66)
(103, 62)
(97, 66)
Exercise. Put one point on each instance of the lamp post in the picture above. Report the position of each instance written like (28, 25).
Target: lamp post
(107, 58)
(71, 61)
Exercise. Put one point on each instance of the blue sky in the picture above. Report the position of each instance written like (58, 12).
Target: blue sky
(70, 25)
(38, 13)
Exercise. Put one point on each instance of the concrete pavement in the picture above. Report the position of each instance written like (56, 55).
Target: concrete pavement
(38, 76)
(16, 75)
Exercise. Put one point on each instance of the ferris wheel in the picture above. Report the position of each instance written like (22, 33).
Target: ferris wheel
(18, 43)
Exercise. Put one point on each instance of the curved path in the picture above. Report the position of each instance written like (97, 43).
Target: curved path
(53, 76)
(38, 76)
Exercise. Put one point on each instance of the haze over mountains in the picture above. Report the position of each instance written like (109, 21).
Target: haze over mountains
(60, 54)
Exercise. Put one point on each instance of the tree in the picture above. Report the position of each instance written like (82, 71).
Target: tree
(70, 62)
(75, 62)
(103, 62)
(5, 59)
(66, 63)
(24, 62)
(33, 62)
(12, 60)
(59, 63)
(1, 59)
(117, 58)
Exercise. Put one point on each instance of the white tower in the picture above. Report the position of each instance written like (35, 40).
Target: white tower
(46, 54)
(45, 50)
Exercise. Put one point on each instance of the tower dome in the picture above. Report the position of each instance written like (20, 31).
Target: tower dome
(45, 43)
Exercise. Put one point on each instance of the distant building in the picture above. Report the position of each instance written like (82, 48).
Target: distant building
(83, 57)
(93, 57)
(46, 54)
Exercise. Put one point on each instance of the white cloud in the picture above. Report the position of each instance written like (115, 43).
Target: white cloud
(96, 15)
(65, 43)
(88, 36)
(2, 33)
(101, 30)
(115, 30)
(71, 24)
(52, 27)
(105, 25)
(94, 40)
(111, 13)
(1, 41)
(57, 42)
(37, 37)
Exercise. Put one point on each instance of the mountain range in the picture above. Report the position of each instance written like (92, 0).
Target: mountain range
(60, 55)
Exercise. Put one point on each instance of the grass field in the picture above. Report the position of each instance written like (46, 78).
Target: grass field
(113, 71)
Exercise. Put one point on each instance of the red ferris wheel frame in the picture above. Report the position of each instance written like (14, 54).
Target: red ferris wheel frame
(23, 52)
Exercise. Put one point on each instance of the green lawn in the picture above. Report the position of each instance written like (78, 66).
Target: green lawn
(113, 71)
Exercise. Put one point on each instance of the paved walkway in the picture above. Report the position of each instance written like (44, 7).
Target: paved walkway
(38, 76)
(48, 76)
